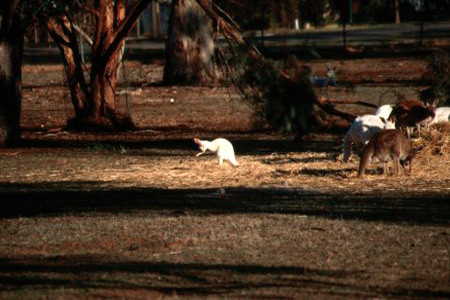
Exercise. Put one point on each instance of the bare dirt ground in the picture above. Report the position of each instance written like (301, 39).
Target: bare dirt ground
(137, 215)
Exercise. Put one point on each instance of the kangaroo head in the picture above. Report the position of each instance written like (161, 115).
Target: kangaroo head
(389, 123)
(331, 72)
(202, 145)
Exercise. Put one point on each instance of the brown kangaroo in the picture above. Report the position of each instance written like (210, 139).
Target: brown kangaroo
(411, 113)
(388, 144)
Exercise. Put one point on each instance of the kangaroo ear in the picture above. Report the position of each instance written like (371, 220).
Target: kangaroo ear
(197, 141)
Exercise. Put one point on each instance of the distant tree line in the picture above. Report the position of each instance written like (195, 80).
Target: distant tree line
(265, 14)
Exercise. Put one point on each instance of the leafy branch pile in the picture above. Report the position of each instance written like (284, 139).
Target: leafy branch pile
(285, 99)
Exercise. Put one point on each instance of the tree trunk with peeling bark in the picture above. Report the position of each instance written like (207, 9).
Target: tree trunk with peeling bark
(11, 52)
(104, 70)
(67, 42)
(190, 45)
(94, 98)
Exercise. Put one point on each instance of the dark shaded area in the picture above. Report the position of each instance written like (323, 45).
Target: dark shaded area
(406, 37)
(35, 272)
(244, 146)
(48, 199)
(305, 51)
(309, 53)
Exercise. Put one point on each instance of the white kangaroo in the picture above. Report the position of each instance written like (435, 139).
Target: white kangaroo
(362, 130)
(221, 146)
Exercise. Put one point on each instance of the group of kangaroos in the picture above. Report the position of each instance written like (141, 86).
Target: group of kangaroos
(384, 136)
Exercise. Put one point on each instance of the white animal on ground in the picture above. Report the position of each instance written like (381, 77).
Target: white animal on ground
(384, 111)
(362, 130)
(441, 114)
(222, 147)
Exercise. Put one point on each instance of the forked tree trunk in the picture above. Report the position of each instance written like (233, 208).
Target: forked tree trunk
(67, 42)
(104, 70)
(11, 53)
(190, 45)
(94, 99)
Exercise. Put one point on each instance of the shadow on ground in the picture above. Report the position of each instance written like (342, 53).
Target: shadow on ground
(44, 199)
(183, 279)
(243, 146)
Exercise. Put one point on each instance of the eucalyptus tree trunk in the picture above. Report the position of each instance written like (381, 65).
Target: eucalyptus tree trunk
(67, 42)
(104, 70)
(94, 98)
(11, 53)
(397, 11)
(190, 45)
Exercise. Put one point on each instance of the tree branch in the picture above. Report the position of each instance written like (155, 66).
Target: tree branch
(56, 34)
(329, 108)
(83, 34)
(231, 31)
(65, 37)
(124, 29)
(340, 101)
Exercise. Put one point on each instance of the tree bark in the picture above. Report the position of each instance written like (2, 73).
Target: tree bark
(104, 70)
(66, 40)
(190, 45)
(11, 53)
(94, 98)
(397, 11)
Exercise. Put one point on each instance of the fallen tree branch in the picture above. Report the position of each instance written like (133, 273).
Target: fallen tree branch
(340, 101)
(229, 30)
(232, 32)
(83, 34)
(329, 108)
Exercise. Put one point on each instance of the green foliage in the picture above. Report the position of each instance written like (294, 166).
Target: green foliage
(439, 77)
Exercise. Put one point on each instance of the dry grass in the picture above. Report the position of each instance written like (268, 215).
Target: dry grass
(435, 140)
(265, 161)
(137, 215)
(155, 222)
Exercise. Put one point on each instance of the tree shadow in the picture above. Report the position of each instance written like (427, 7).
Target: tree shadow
(288, 160)
(243, 146)
(326, 172)
(186, 279)
(80, 198)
